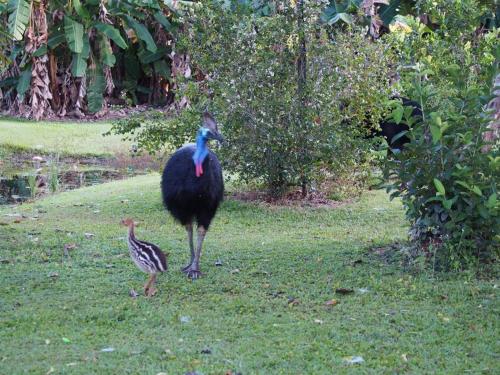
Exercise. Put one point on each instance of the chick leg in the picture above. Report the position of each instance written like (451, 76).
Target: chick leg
(152, 290)
(147, 286)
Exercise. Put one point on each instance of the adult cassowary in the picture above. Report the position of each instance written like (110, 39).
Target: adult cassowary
(192, 188)
(389, 129)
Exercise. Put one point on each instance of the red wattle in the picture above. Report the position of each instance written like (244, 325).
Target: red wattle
(199, 170)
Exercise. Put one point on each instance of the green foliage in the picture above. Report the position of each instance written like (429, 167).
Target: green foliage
(24, 81)
(53, 174)
(112, 33)
(154, 131)
(142, 33)
(79, 63)
(249, 65)
(87, 36)
(32, 184)
(447, 176)
(18, 18)
(447, 179)
(96, 89)
(74, 34)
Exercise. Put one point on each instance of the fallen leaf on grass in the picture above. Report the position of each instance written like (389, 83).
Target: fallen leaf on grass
(443, 297)
(68, 247)
(51, 370)
(352, 360)
(293, 301)
(236, 270)
(66, 340)
(331, 302)
(344, 290)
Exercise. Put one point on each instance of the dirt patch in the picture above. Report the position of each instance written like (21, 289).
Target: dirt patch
(291, 199)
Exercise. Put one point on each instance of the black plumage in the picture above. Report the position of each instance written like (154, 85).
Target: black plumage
(389, 129)
(193, 188)
(188, 197)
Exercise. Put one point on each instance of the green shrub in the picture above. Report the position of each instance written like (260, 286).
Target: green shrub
(447, 180)
(244, 69)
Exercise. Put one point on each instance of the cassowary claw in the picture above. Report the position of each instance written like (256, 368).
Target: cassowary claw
(192, 273)
(151, 292)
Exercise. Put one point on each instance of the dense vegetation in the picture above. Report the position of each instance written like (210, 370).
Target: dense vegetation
(67, 57)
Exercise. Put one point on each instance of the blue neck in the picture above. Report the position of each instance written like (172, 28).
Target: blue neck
(201, 151)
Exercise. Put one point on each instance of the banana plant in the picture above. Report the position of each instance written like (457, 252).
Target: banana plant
(88, 50)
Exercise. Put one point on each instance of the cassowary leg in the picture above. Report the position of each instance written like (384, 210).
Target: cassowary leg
(189, 228)
(194, 270)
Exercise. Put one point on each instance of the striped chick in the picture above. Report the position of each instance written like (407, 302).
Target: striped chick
(147, 256)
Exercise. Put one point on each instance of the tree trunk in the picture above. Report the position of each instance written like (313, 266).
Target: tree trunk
(302, 90)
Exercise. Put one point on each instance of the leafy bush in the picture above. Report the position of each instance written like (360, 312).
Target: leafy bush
(447, 180)
(156, 131)
(279, 133)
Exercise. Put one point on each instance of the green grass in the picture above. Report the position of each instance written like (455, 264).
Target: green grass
(63, 137)
(445, 325)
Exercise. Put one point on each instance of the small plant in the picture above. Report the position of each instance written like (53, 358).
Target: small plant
(53, 176)
(32, 184)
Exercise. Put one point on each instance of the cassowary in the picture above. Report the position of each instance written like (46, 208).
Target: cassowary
(389, 129)
(192, 188)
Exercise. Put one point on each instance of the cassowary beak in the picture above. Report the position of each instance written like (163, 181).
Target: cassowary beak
(219, 138)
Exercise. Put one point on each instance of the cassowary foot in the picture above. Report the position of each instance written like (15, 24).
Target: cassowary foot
(186, 268)
(193, 273)
(151, 292)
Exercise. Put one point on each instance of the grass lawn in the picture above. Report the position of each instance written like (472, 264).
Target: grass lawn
(63, 137)
(263, 311)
